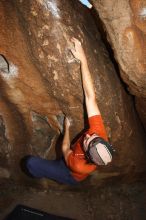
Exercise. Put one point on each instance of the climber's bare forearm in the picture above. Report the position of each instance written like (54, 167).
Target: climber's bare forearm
(66, 144)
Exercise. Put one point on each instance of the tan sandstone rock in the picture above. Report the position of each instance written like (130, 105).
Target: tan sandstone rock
(125, 24)
(44, 82)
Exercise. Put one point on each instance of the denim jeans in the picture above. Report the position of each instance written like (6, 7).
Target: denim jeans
(51, 169)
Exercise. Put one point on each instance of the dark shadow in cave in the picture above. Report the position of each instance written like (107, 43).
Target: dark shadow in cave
(23, 167)
(58, 149)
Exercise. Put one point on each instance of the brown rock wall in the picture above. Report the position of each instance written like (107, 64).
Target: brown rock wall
(125, 23)
(44, 80)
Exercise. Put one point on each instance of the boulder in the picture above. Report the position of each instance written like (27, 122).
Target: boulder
(125, 25)
(44, 82)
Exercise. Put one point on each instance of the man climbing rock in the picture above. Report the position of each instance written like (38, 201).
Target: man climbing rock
(90, 150)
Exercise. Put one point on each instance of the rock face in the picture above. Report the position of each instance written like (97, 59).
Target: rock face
(43, 82)
(125, 24)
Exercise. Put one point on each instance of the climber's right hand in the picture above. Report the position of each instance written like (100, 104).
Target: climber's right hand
(77, 50)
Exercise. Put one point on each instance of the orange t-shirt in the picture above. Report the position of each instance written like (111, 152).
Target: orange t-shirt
(76, 161)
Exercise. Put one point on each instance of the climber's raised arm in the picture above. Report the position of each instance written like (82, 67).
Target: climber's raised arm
(88, 86)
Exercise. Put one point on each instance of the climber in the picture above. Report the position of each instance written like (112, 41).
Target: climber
(89, 151)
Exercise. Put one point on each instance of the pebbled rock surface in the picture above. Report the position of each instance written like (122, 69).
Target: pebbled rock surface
(43, 82)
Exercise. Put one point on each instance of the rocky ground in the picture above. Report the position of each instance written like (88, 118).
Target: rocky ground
(113, 202)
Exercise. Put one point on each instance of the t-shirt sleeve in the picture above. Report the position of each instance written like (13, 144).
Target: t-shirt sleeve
(96, 126)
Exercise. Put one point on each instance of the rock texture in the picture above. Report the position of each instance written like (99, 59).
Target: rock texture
(125, 24)
(43, 82)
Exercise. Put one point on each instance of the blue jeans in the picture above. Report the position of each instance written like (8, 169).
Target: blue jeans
(52, 169)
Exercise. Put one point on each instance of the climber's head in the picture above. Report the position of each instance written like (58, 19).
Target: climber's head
(97, 150)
